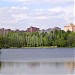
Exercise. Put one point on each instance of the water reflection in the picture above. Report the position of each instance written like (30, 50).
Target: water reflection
(33, 64)
(70, 67)
(33, 68)
(0, 65)
(0, 58)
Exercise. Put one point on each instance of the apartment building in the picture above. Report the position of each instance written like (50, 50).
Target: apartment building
(32, 29)
(70, 27)
(4, 31)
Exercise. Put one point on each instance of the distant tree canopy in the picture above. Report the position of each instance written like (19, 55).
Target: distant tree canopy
(37, 39)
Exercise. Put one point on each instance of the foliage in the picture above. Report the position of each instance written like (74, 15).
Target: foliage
(37, 39)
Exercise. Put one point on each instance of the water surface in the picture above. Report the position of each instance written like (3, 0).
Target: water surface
(42, 61)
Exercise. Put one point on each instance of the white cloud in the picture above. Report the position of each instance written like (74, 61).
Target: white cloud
(17, 0)
(13, 14)
(40, 1)
(74, 12)
(20, 8)
(55, 9)
(19, 17)
(66, 12)
(37, 16)
(41, 17)
(23, 0)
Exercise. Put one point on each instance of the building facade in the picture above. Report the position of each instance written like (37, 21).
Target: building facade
(32, 29)
(4, 31)
(53, 29)
(70, 27)
(56, 28)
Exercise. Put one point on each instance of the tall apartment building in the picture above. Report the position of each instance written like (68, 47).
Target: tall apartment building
(32, 29)
(70, 27)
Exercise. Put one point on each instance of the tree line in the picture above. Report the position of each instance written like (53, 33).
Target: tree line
(38, 39)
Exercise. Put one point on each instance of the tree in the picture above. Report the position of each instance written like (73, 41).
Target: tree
(71, 40)
(0, 40)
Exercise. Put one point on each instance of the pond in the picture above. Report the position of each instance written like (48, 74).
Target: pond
(38, 61)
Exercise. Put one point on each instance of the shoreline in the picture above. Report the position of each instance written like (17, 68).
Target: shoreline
(36, 47)
(30, 47)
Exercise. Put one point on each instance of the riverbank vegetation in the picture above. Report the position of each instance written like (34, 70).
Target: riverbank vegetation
(38, 39)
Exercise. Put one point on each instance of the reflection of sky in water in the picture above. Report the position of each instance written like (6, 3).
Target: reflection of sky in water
(50, 54)
(33, 68)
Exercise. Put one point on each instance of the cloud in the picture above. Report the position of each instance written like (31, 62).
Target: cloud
(74, 12)
(19, 17)
(17, 0)
(66, 12)
(41, 17)
(26, 15)
(55, 9)
(20, 8)
(40, 1)
(12, 15)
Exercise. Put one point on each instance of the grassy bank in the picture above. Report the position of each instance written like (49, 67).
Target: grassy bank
(30, 47)
(42, 47)
(35, 47)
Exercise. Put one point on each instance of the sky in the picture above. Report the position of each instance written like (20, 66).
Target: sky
(21, 14)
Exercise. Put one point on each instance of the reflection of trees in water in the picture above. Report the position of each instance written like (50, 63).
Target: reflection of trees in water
(0, 58)
(58, 64)
(0, 64)
(0, 52)
(70, 66)
(33, 64)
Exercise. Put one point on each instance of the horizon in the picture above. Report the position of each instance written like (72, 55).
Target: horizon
(44, 14)
(26, 28)
(36, 27)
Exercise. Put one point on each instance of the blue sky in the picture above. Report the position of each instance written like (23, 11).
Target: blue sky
(20, 14)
